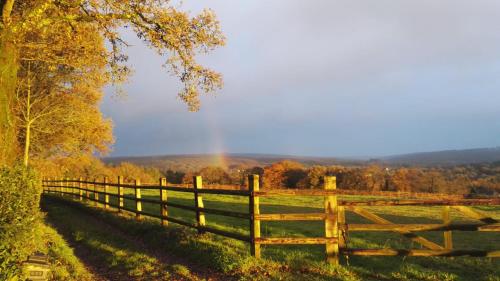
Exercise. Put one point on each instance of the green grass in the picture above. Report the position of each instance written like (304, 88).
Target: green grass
(109, 253)
(64, 266)
(306, 262)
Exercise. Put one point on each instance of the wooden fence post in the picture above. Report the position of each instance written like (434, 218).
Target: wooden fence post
(198, 201)
(138, 202)
(106, 195)
(86, 185)
(60, 186)
(120, 194)
(80, 191)
(96, 195)
(43, 185)
(66, 187)
(163, 199)
(331, 222)
(448, 241)
(70, 187)
(342, 227)
(254, 209)
(63, 186)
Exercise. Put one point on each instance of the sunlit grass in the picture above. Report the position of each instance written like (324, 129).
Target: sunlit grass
(99, 246)
(308, 260)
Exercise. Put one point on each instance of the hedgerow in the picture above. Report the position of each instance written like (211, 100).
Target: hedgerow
(20, 219)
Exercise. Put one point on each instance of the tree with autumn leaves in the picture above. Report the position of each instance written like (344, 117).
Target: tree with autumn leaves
(283, 174)
(57, 112)
(54, 63)
(373, 177)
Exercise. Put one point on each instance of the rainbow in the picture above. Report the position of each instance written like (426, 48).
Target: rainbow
(220, 160)
(216, 137)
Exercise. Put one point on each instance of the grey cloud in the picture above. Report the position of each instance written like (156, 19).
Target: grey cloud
(328, 78)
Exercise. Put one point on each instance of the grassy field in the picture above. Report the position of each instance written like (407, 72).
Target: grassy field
(232, 258)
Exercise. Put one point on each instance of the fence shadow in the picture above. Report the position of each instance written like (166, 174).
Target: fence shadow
(110, 252)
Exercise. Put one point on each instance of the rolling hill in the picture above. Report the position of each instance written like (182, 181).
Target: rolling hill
(446, 157)
(198, 161)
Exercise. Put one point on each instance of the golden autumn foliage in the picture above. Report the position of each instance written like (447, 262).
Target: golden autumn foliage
(58, 114)
(89, 167)
(481, 179)
(214, 175)
(283, 174)
(67, 38)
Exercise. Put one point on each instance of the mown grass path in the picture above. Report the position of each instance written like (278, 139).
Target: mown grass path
(111, 254)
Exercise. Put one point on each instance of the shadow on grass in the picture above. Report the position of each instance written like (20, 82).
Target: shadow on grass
(232, 257)
(108, 251)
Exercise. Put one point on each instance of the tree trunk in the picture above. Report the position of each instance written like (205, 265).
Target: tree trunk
(28, 120)
(27, 142)
(9, 65)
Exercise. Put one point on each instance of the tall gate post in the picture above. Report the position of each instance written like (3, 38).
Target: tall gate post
(331, 222)
(254, 209)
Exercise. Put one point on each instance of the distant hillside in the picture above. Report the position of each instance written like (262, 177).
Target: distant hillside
(446, 157)
(196, 162)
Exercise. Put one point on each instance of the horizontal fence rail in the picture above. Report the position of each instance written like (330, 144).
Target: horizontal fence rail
(336, 228)
(90, 190)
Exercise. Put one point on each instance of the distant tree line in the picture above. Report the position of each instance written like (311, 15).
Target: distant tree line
(466, 179)
(481, 179)
(92, 168)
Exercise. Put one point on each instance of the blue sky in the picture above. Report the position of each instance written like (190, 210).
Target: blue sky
(325, 78)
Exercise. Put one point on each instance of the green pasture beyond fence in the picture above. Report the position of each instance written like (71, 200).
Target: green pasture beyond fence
(336, 228)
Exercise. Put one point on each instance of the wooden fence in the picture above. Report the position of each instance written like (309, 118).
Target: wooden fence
(336, 228)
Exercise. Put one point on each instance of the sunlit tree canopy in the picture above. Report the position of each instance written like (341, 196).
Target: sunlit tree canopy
(84, 38)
